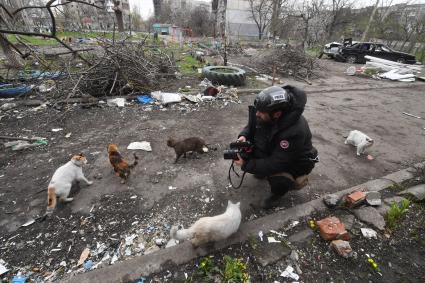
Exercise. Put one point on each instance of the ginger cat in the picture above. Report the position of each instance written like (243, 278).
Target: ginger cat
(121, 166)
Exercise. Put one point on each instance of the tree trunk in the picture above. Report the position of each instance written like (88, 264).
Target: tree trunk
(370, 21)
(12, 58)
(119, 16)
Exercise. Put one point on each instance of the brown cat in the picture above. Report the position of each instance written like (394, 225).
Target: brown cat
(190, 144)
(121, 166)
(62, 180)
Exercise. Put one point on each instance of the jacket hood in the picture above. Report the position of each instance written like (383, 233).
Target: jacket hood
(293, 114)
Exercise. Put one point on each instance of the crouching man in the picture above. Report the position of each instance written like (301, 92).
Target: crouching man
(283, 151)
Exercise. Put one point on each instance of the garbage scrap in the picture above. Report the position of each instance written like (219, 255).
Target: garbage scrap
(119, 102)
(166, 97)
(289, 273)
(144, 145)
(385, 69)
(3, 268)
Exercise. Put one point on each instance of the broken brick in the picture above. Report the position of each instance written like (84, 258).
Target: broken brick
(343, 248)
(332, 228)
(355, 198)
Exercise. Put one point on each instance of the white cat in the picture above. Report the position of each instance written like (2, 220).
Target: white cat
(62, 180)
(211, 229)
(360, 140)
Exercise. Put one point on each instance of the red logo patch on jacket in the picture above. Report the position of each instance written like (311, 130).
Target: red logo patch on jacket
(284, 144)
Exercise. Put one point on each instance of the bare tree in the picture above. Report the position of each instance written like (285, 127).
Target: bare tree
(308, 10)
(336, 14)
(375, 8)
(119, 15)
(261, 13)
(8, 26)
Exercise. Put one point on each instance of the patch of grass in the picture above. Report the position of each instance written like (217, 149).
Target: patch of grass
(234, 270)
(33, 40)
(188, 65)
(253, 242)
(397, 187)
(314, 51)
(396, 212)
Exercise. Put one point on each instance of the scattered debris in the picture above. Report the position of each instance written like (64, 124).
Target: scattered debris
(119, 102)
(171, 243)
(331, 228)
(166, 97)
(411, 115)
(83, 256)
(373, 198)
(8, 106)
(343, 248)
(18, 278)
(369, 233)
(289, 273)
(272, 240)
(3, 268)
(28, 223)
(88, 265)
(371, 216)
(144, 99)
(57, 130)
(331, 200)
(144, 145)
(355, 198)
(260, 235)
(370, 157)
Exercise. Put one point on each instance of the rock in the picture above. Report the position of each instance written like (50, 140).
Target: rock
(331, 228)
(269, 253)
(395, 199)
(302, 236)
(355, 198)
(383, 209)
(343, 248)
(294, 256)
(371, 216)
(347, 220)
(8, 106)
(418, 192)
(373, 198)
(331, 200)
(369, 233)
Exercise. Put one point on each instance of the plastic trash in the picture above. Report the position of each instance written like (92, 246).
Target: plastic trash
(141, 280)
(289, 273)
(119, 102)
(18, 279)
(3, 268)
(88, 264)
(144, 99)
(144, 145)
(166, 97)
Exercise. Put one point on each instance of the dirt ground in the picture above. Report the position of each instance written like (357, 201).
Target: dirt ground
(159, 193)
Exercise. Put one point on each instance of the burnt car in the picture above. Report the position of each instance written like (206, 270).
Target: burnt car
(357, 52)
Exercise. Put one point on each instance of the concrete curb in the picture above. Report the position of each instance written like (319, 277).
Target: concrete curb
(145, 265)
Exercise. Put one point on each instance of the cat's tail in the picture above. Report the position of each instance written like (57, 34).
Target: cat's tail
(182, 234)
(51, 200)
(135, 161)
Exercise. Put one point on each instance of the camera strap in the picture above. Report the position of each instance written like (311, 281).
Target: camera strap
(232, 168)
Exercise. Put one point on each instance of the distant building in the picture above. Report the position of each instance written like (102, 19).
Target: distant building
(239, 21)
(79, 16)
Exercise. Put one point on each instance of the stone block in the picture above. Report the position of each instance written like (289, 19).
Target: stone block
(418, 192)
(343, 248)
(355, 198)
(371, 216)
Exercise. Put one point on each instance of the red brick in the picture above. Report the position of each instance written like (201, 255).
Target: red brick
(355, 198)
(332, 228)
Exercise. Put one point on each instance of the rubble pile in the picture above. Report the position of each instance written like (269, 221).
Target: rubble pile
(122, 69)
(287, 61)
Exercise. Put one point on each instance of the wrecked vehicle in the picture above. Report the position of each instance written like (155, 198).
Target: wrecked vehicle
(357, 52)
(330, 49)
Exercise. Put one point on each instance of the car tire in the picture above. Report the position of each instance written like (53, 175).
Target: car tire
(224, 75)
(352, 59)
(401, 60)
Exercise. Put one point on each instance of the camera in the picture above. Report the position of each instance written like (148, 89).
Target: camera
(244, 149)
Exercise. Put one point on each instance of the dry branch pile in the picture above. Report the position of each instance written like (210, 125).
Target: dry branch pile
(123, 68)
(288, 61)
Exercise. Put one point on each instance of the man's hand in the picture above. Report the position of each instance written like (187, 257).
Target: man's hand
(239, 162)
(242, 139)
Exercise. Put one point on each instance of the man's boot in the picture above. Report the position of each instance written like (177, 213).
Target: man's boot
(271, 201)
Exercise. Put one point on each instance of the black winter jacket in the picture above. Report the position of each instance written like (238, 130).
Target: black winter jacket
(285, 145)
